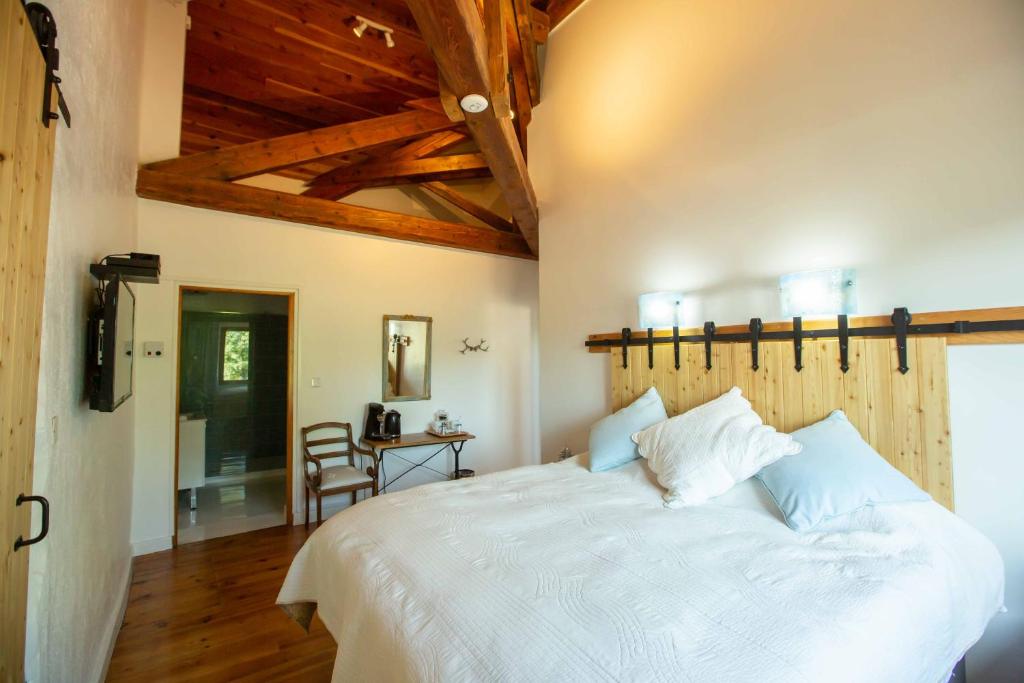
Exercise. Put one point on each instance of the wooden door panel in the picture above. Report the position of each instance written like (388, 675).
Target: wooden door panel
(26, 163)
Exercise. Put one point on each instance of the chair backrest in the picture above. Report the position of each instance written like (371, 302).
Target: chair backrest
(326, 440)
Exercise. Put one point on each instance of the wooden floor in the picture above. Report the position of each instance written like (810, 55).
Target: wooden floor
(205, 612)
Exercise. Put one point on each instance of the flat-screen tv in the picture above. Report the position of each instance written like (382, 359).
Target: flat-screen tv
(111, 338)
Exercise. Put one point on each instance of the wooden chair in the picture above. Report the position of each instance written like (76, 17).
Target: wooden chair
(327, 480)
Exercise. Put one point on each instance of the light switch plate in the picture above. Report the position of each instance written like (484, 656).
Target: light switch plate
(154, 349)
(315, 382)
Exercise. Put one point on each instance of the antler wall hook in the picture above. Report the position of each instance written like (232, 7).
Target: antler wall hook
(466, 346)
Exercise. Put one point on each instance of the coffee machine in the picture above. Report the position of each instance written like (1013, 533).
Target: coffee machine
(381, 423)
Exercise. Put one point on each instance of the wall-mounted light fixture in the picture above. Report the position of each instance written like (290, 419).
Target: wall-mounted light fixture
(660, 309)
(362, 24)
(828, 292)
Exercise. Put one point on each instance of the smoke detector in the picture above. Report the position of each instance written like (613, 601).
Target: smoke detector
(473, 103)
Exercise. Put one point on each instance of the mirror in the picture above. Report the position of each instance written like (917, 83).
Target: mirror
(406, 358)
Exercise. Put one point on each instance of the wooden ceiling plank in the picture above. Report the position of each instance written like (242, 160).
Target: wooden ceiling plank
(355, 95)
(417, 149)
(267, 156)
(404, 171)
(456, 198)
(251, 201)
(409, 60)
(246, 26)
(251, 109)
(221, 78)
(521, 11)
(454, 31)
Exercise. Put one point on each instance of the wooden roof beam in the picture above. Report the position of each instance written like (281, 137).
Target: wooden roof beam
(404, 171)
(521, 12)
(417, 149)
(253, 201)
(454, 31)
(268, 156)
(456, 198)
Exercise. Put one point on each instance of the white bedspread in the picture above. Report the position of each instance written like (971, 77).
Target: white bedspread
(554, 573)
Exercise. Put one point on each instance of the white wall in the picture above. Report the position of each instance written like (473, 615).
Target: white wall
(344, 284)
(83, 460)
(711, 146)
(980, 380)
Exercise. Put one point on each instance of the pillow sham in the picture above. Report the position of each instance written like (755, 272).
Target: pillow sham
(610, 443)
(706, 451)
(836, 473)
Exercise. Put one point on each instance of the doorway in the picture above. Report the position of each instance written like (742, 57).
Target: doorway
(234, 416)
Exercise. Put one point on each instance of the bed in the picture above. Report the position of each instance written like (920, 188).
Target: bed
(553, 572)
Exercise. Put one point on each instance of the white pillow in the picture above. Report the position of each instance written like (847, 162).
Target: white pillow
(706, 451)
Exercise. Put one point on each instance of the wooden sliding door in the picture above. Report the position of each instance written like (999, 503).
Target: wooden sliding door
(26, 163)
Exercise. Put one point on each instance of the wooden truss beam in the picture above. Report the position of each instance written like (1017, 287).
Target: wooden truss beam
(417, 149)
(385, 173)
(267, 156)
(253, 201)
(481, 213)
(521, 9)
(454, 31)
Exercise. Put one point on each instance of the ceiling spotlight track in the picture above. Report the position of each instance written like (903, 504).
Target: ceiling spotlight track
(362, 23)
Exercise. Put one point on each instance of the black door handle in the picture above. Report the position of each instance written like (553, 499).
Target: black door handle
(22, 498)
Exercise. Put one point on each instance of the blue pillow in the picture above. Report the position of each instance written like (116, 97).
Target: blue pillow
(836, 473)
(611, 442)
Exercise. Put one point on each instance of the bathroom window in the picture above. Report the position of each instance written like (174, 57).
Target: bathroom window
(234, 355)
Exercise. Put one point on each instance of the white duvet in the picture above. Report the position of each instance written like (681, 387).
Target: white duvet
(554, 573)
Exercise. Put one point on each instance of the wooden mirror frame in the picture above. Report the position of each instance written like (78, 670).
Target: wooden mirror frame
(386, 396)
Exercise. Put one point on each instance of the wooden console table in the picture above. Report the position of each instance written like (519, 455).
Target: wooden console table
(382, 446)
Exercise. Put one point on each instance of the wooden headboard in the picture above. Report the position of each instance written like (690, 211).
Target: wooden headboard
(905, 417)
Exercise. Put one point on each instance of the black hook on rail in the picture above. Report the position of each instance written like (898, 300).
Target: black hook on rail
(709, 332)
(900, 321)
(755, 335)
(798, 342)
(626, 334)
(675, 343)
(844, 343)
(650, 348)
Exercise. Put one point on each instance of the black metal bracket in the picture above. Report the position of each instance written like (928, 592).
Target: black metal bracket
(709, 333)
(798, 343)
(756, 326)
(45, 29)
(844, 343)
(900, 321)
(626, 338)
(675, 343)
(45, 527)
(650, 348)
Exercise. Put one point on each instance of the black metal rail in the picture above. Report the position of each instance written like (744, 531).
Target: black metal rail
(901, 328)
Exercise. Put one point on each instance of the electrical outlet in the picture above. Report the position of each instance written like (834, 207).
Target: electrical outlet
(153, 349)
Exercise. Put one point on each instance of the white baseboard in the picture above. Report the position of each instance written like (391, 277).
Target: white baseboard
(114, 628)
(151, 545)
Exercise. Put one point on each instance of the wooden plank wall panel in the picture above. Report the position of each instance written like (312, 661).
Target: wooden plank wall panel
(26, 161)
(904, 417)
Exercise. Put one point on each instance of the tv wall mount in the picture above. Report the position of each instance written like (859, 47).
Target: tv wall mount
(133, 267)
